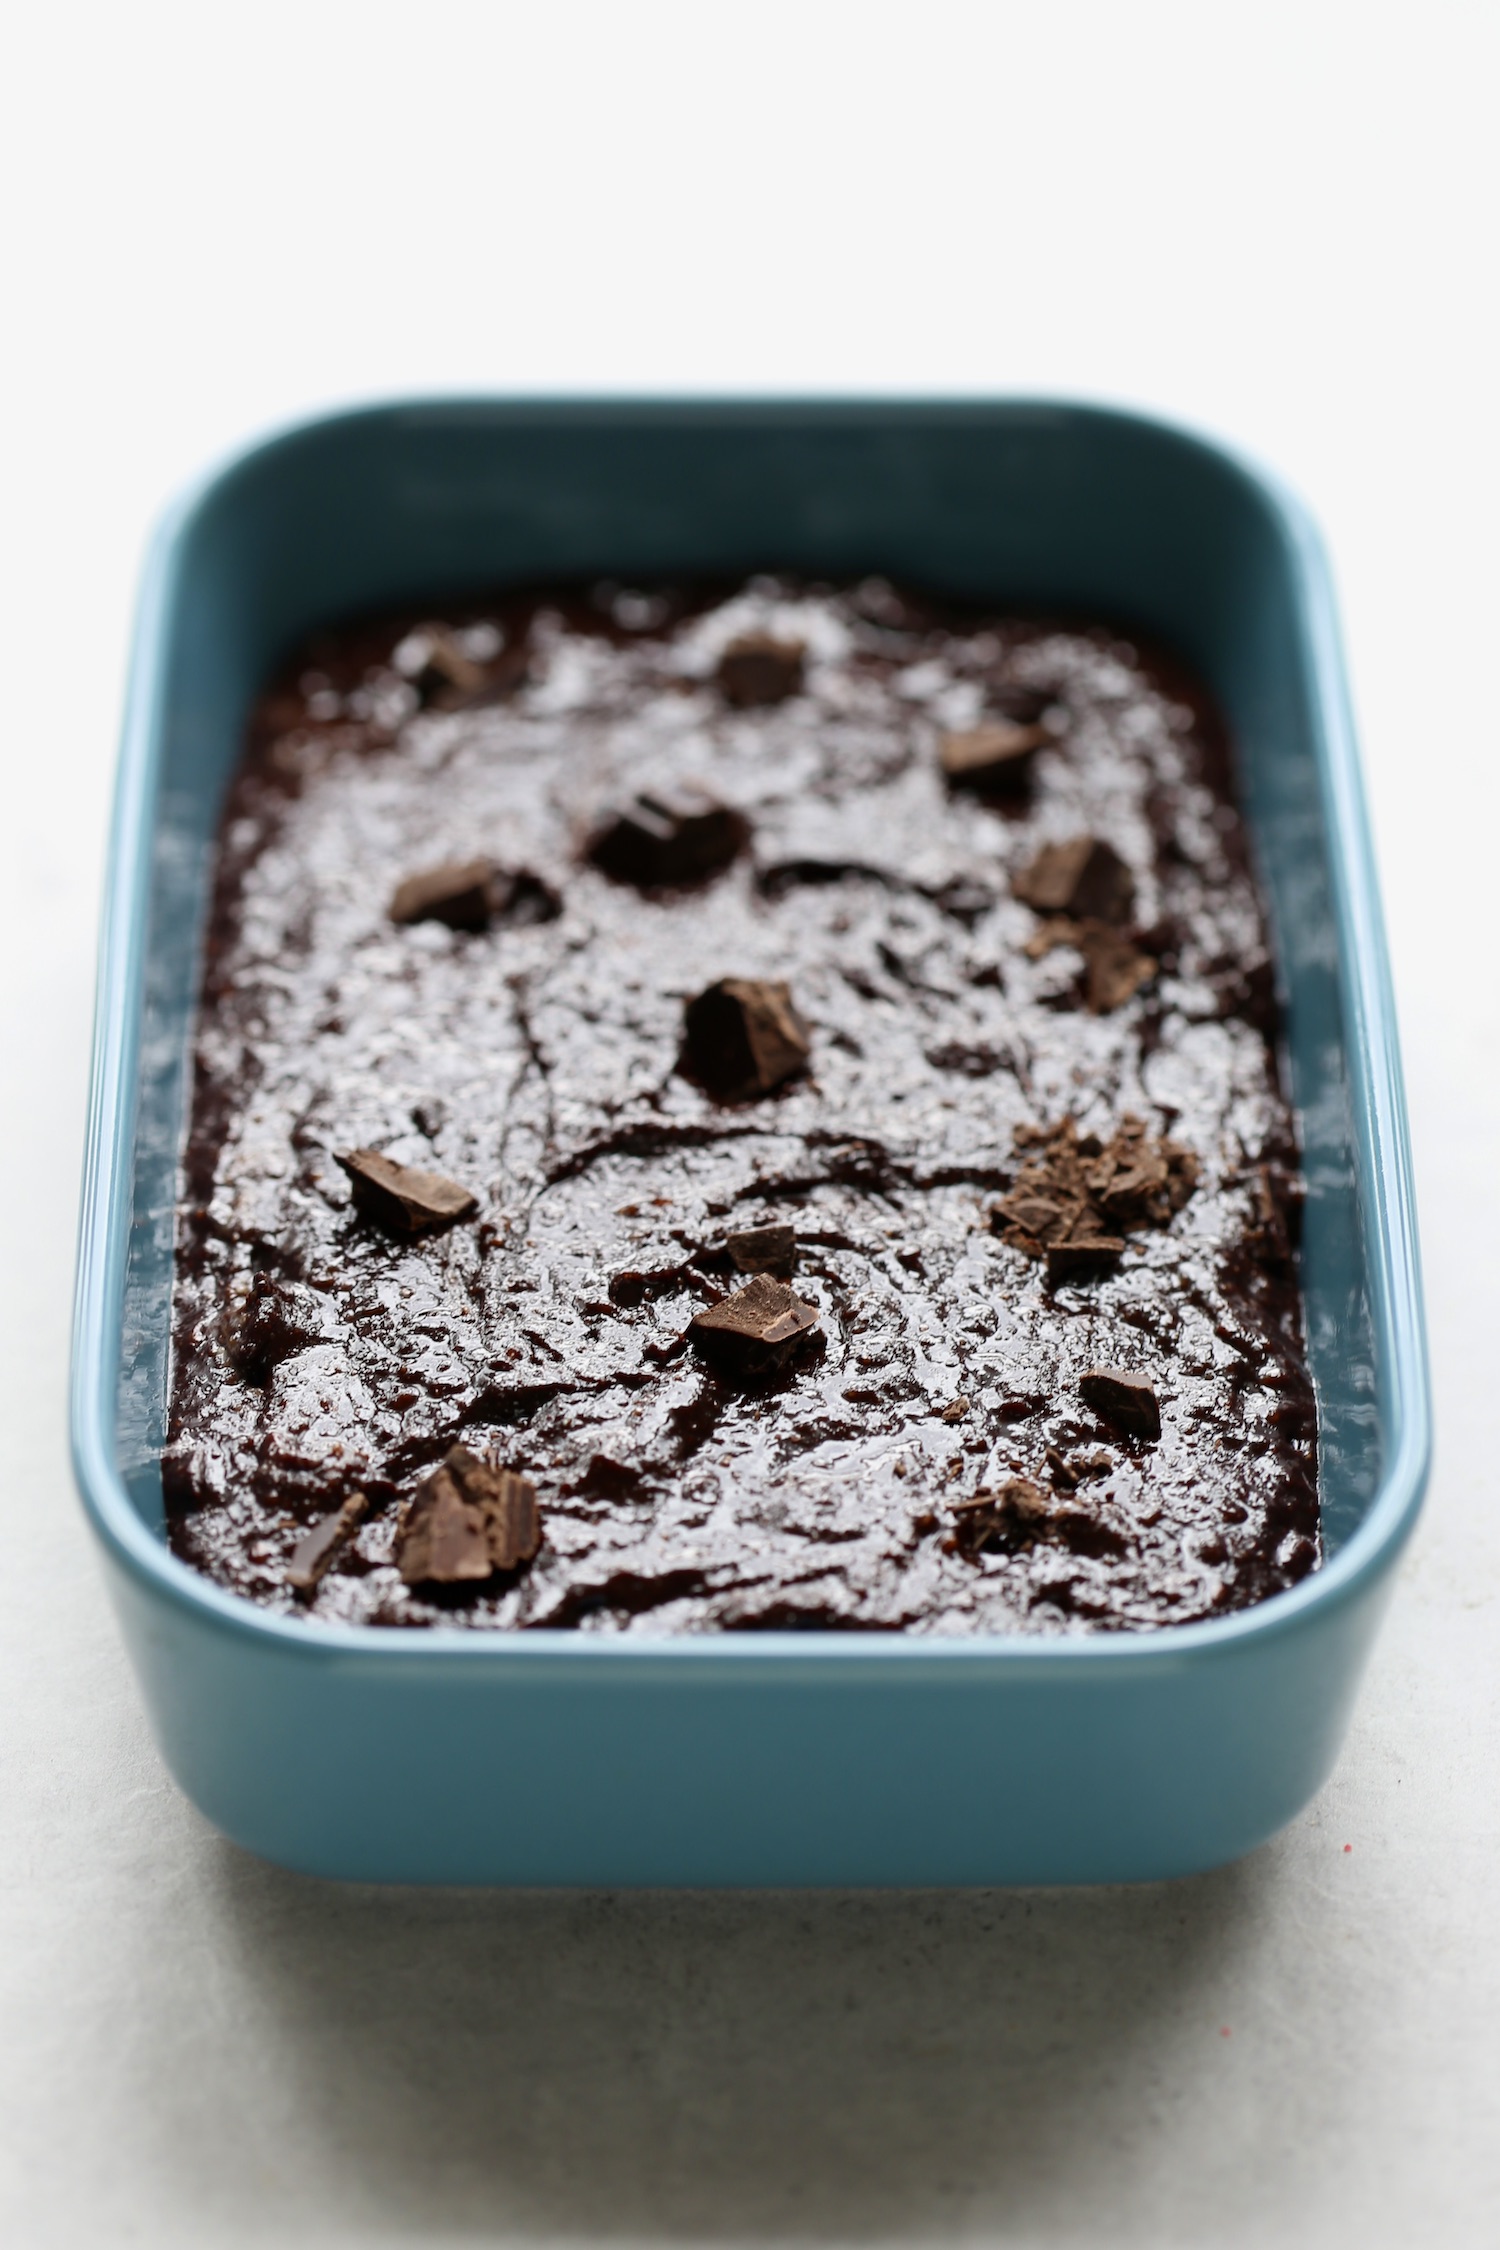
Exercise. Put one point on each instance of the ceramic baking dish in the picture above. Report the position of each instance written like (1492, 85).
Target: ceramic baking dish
(555, 1757)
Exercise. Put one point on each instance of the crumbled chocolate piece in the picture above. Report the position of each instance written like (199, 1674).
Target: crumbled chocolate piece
(399, 1196)
(1067, 1474)
(763, 1249)
(756, 1331)
(466, 1521)
(992, 757)
(1075, 1199)
(1137, 1180)
(1085, 878)
(1023, 1514)
(1127, 1402)
(668, 836)
(313, 1557)
(759, 669)
(743, 1037)
(457, 893)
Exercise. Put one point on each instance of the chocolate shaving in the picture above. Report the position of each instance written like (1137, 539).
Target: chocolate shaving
(1126, 1401)
(313, 1556)
(743, 1036)
(399, 1196)
(1075, 1199)
(993, 757)
(1023, 1514)
(1085, 878)
(759, 669)
(466, 1521)
(763, 1249)
(756, 1331)
(668, 836)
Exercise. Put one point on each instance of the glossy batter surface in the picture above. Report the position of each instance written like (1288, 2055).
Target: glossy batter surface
(928, 1460)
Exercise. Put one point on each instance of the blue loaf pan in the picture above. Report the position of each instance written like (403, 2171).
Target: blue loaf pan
(778, 1758)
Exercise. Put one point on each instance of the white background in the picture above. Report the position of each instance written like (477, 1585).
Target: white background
(1276, 221)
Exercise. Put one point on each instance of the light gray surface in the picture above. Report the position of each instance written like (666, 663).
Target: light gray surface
(1277, 222)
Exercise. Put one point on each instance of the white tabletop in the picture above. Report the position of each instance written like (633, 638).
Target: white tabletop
(1275, 222)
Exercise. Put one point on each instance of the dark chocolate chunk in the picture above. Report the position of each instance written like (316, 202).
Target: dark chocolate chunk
(1083, 1256)
(443, 1541)
(757, 1330)
(763, 1249)
(313, 1556)
(401, 1197)
(668, 836)
(743, 1037)
(466, 1521)
(995, 756)
(759, 669)
(470, 894)
(457, 893)
(1127, 1402)
(1085, 878)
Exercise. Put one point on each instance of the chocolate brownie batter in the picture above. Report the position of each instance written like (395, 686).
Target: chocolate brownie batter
(738, 1110)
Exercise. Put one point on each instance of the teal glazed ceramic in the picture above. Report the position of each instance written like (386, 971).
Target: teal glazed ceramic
(442, 1756)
